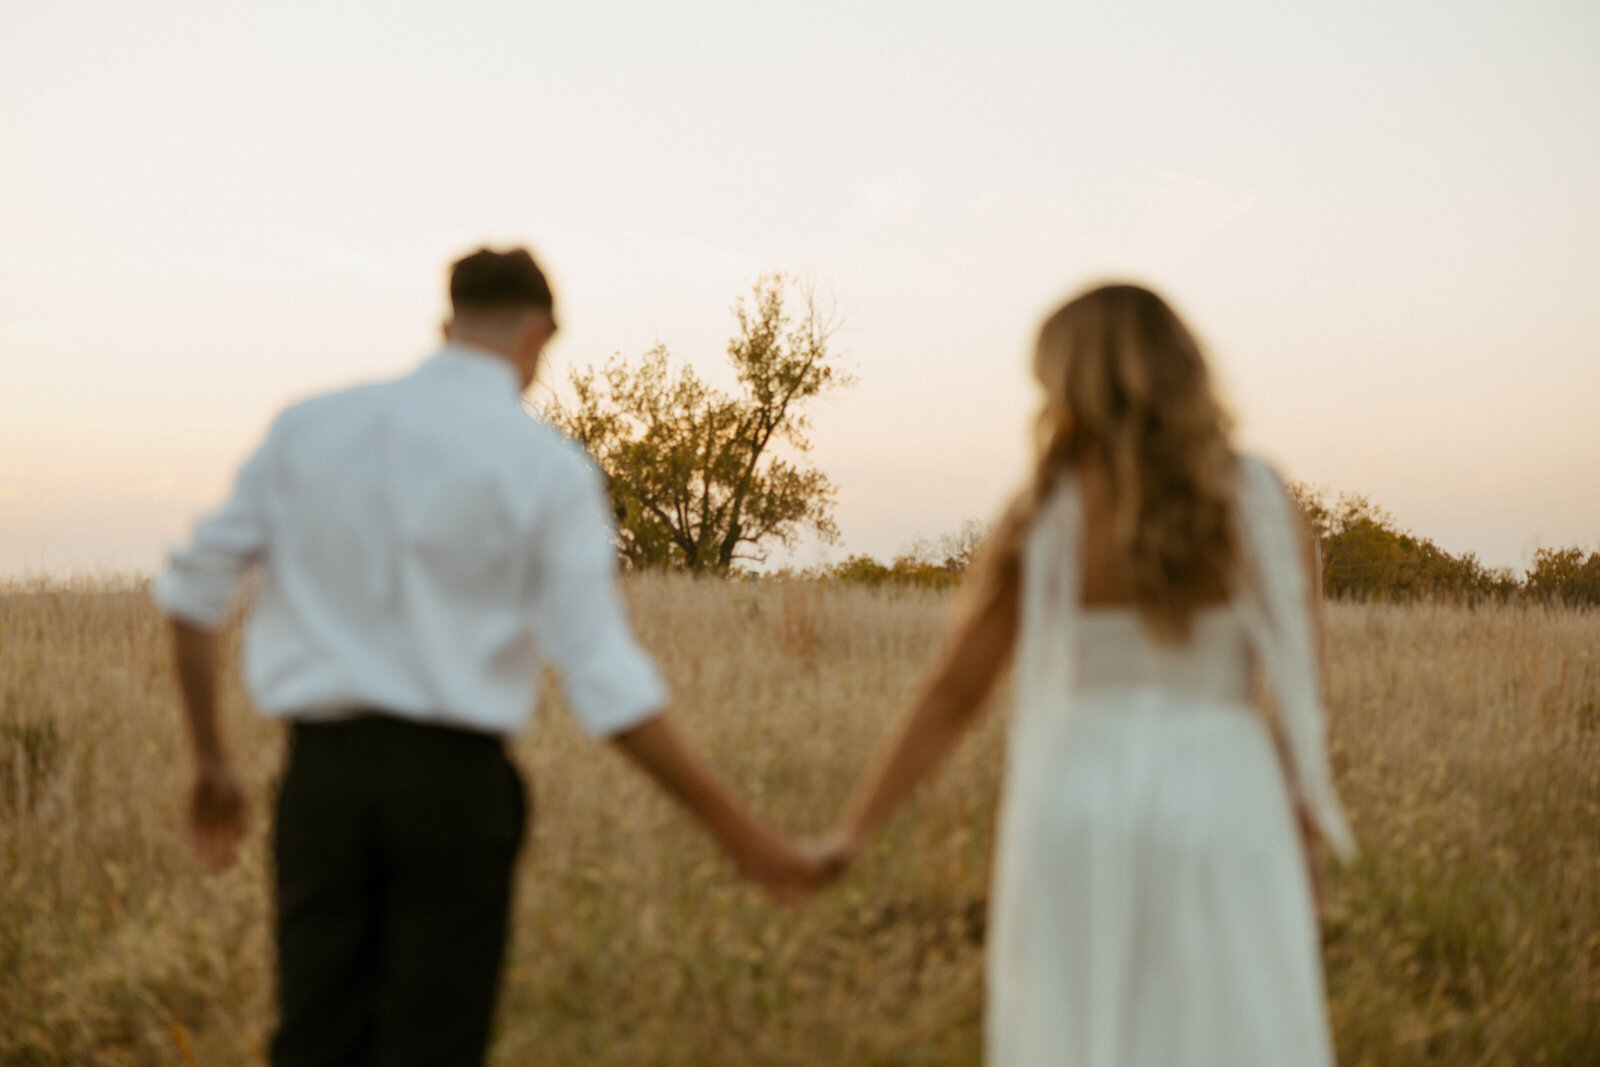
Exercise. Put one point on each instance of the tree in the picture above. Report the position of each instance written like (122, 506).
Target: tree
(1365, 554)
(953, 552)
(694, 474)
(936, 563)
(1564, 575)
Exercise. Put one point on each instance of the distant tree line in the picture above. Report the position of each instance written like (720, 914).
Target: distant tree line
(1366, 555)
(936, 563)
(1564, 575)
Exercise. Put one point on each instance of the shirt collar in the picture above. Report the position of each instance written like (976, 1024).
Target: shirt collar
(477, 364)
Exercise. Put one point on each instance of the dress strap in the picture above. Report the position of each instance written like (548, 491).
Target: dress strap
(1051, 566)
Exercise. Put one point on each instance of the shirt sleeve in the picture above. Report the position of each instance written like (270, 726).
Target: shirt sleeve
(202, 579)
(577, 614)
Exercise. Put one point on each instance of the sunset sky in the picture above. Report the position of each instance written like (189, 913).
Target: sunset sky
(1383, 219)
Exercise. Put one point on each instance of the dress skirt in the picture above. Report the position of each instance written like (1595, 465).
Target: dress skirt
(1151, 904)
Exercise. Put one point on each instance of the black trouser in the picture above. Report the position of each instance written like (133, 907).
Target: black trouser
(395, 845)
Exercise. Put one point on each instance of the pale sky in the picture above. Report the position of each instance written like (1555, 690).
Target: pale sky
(1384, 220)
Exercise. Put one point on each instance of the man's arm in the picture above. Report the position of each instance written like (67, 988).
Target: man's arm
(614, 688)
(216, 808)
(197, 592)
(764, 856)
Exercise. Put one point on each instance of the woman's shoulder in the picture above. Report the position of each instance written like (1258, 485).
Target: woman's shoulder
(1258, 476)
(1253, 465)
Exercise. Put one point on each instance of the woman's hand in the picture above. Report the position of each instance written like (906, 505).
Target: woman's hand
(832, 854)
(790, 873)
(793, 873)
(1311, 849)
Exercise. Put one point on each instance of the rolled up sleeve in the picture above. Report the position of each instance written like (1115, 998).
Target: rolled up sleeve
(577, 614)
(202, 580)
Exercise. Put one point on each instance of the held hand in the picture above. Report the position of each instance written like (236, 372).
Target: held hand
(765, 857)
(832, 854)
(216, 816)
(790, 874)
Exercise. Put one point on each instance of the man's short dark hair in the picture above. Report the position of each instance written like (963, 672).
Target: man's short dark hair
(487, 280)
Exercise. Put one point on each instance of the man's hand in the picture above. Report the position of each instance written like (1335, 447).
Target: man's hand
(216, 815)
(831, 854)
(789, 873)
(216, 803)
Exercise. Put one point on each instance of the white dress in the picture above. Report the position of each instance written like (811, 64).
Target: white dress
(1151, 907)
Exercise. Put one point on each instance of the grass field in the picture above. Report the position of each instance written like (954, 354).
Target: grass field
(1467, 745)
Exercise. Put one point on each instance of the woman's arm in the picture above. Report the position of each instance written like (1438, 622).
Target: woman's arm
(946, 706)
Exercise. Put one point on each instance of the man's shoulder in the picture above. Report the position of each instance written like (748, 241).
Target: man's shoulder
(500, 435)
(333, 403)
(558, 454)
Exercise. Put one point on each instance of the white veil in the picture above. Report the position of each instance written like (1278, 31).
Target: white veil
(1275, 599)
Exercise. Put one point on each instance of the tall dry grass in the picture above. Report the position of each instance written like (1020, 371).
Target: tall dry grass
(1467, 745)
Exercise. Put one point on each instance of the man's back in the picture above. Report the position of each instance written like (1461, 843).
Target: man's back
(415, 487)
(416, 536)
(402, 535)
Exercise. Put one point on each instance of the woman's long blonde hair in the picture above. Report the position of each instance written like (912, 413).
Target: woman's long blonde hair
(1126, 389)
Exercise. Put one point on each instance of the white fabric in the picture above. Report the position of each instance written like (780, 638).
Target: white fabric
(423, 544)
(1150, 906)
(1275, 595)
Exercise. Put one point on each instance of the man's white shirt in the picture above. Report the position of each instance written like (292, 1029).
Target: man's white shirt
(424, 544)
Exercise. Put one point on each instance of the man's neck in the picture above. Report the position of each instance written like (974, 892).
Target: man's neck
(490, 346)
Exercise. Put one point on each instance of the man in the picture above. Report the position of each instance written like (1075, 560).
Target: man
(423, 544)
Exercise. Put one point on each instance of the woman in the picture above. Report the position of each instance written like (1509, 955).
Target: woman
(1154, 885)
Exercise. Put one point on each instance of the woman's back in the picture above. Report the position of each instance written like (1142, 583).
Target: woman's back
(1150, 904)
(1116, 646)
(1108, 578)
(1117, 651)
